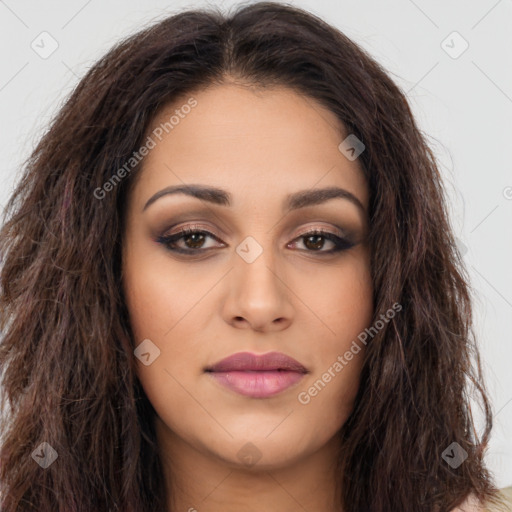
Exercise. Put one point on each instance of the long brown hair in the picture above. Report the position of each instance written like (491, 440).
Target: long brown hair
(66, 354)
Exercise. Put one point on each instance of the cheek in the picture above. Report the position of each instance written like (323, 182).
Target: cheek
(343, 301)
(160, 299)
(346, 309)
(167, 306)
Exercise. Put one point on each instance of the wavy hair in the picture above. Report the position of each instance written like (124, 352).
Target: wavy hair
(66, 354)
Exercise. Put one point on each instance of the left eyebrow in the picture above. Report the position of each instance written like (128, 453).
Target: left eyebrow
(300, 199)
(315, 196)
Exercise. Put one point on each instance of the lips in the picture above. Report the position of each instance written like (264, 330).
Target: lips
(245, 361)
(257, 376)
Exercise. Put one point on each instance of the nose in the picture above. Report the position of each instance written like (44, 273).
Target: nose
(259, 298)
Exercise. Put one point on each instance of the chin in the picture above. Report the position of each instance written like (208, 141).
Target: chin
(259, 451)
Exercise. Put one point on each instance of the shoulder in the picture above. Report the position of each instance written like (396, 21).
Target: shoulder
(470, 505)
(473, 505)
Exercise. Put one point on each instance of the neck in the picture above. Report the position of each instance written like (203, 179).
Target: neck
(202, 481)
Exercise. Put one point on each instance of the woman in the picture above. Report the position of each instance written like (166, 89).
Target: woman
(229, 283)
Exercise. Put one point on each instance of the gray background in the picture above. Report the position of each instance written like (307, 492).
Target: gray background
(462, 101)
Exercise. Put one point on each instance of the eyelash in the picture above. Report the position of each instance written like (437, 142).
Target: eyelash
(169, 241)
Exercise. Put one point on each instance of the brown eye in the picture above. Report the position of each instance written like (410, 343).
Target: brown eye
(314, 241)
(193, 241)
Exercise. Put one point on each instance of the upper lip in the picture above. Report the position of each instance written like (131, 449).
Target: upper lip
(246, 361)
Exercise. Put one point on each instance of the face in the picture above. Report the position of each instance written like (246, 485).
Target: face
(267, 267)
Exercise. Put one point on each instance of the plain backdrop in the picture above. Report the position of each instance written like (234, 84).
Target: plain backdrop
(453, 60)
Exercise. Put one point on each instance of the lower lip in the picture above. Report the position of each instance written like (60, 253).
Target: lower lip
(258, 384)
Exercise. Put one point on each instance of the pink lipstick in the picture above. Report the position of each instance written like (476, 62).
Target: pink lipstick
(257, 376)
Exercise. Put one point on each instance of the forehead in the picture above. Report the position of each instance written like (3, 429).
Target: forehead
(259, 142)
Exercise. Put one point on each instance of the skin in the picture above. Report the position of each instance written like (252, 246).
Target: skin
(259, 145)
